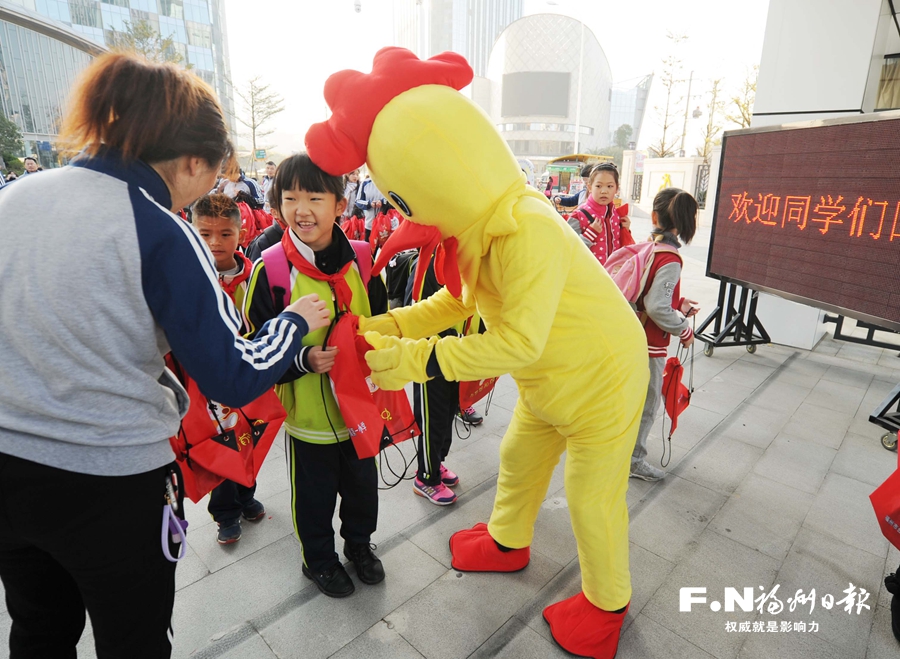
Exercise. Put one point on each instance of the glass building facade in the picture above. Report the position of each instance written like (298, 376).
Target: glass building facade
(44, 44)
(628, 106)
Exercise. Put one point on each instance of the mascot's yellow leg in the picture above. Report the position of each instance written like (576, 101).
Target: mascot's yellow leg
(597, 468)
(528, 454)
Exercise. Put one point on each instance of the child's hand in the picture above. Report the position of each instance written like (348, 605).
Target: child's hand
(322, 359)
(313, 310)
(597, 226)
(690, 308)
(625, 222)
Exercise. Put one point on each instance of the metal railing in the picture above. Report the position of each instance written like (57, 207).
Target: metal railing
(702, 187)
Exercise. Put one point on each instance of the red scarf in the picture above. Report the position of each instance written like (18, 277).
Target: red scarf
(231, 286)
(338, 281)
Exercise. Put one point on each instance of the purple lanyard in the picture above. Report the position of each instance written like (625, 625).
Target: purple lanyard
(174, 525)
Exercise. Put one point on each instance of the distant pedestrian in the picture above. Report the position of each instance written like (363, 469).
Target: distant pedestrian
(31, 166)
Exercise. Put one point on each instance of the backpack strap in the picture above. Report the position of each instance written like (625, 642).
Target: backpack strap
(278, 273)
(363, 260)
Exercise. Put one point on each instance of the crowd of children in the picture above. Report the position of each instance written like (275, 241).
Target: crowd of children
(309, 209)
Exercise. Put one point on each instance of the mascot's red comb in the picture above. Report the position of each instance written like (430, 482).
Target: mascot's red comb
(339, 145)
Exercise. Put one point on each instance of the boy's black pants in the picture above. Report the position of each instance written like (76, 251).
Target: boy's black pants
(319, 472)
(71, 542)
(227, 501)
(435, 404)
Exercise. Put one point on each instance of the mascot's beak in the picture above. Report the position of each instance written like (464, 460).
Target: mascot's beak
(410, 235)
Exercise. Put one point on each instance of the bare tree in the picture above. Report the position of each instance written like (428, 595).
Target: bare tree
(260, 105)
(742, 102)
(668, 116)
(140, 37)
(711, 132)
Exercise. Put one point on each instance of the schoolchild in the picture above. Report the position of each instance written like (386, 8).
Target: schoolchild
(322, 463)
(662, 309)
(435, 403)
(218, 221)
(596, 221)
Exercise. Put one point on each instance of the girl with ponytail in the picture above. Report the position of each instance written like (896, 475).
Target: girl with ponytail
(663, 311)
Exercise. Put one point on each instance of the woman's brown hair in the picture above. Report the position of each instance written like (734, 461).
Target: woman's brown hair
(148, 111)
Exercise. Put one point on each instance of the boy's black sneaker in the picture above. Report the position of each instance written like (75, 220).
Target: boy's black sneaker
(471, 417)
(254, 511)
(334, 582)
(892, 585)
(368, 568)
(229, 532)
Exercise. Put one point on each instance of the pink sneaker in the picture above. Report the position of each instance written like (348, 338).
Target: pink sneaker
(448, 478)
(439, 495)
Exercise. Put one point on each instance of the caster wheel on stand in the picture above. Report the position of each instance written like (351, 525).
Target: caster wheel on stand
(708, 350)
(889, 441)
(751, 349)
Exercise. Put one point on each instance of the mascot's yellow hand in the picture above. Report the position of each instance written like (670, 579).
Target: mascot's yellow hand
(395, 361)
(383, 324)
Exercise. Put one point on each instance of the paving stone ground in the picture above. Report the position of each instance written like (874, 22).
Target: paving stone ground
(768, 486)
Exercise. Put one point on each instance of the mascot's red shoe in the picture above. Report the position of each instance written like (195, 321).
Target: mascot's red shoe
(584, 630)
(474, 550)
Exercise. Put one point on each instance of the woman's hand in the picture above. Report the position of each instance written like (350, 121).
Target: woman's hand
(321, 360)
(313, 310)
(689, 307)
(688, 342)
(625, 222)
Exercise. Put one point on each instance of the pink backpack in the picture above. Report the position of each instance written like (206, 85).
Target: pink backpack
(279, 274)
(630, 266)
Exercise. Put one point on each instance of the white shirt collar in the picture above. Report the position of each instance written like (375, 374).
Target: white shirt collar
(304, 249)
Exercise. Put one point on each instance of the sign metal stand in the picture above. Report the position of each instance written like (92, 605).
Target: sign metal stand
(734, 323)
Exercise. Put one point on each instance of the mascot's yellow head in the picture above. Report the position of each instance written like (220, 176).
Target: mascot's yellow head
(430, 150)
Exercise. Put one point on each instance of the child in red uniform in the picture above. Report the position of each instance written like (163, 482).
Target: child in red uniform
(663, 311)
(596, 220)
(218, 221)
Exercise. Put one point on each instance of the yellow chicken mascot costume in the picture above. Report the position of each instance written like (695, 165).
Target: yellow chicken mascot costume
(554, 319)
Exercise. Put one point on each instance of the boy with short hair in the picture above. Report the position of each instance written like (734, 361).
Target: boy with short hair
(218, 221)
(322, 462)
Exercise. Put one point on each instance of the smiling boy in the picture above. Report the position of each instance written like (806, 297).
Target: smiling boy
(321, 461)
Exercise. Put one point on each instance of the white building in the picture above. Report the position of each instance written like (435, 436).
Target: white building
(467, 27)
(549, 88)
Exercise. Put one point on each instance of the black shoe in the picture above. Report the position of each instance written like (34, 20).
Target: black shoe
(229, 532)
(254, 511)
(892, 585)
(368, 568)
(334, 582)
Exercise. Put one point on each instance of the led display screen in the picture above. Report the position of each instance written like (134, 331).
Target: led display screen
(535, 93)
(812, 213)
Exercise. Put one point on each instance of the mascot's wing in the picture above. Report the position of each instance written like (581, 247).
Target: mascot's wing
(339, 145)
